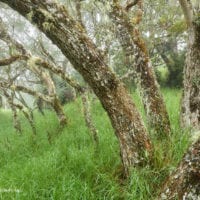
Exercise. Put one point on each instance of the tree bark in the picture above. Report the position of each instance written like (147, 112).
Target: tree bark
(133, 44)
(184, 183)
(88, 118)
(190, 111)
(69, 36)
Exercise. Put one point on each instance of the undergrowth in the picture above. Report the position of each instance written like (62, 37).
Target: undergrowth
(65, 164)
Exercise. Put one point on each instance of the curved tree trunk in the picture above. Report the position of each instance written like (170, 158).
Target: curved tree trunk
(135, 49)
(184, 183)
(69, 36)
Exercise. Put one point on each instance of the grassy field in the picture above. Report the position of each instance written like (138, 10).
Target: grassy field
(65, 165)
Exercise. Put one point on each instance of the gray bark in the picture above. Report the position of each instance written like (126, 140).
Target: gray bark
(190, 112)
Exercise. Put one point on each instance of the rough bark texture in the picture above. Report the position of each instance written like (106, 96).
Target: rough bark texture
(190, 115)
(69, 36)
(184, 183)
(133, 44)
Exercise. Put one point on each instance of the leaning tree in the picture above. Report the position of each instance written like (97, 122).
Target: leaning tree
(71, 38)
(55, 21)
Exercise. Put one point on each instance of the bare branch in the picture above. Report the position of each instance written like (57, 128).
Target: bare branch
(129, 4)
(12, 87)
(12, 59)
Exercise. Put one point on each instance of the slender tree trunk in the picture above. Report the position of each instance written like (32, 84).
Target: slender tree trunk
(184, 183)
(133, 44)
(190, 112)
(88, 118)
(59, 111)
(69, 36)
(16, 121)
(190, 115)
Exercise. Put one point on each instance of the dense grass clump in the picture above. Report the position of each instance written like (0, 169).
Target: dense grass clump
(65, 164)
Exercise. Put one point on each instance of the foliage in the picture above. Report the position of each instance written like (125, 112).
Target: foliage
(172, 76)
(69, 166)
(175, 77)
(162, 75)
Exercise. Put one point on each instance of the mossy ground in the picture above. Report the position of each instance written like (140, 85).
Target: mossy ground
(65, 164)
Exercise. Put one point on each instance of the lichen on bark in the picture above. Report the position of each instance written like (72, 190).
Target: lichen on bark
(131, 40)
(184, 182)
(72, 40)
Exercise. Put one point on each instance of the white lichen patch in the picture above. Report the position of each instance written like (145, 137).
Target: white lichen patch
(29, 16)
(32, 61)
(195, 136)
(47, 26)
(163, 196)
(12, 87)
(47, 15)
(192, 195)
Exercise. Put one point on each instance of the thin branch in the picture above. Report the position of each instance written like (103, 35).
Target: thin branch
(129, 5)
(12, 87)
(12, 59)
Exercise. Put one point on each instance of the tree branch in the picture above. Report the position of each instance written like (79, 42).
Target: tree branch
(129, 5)
(12, 59)
(186, 6)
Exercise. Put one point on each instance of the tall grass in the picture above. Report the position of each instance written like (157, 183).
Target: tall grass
(64, 164)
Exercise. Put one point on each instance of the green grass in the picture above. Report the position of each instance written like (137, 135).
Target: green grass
(65, 165)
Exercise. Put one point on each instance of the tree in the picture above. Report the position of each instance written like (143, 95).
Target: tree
(190, 110)
(130, 37)
(184, 182)
(70, 37)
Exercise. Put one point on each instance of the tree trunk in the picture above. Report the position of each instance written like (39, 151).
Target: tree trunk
(184, 183)
(190, 112)
(190, 115)
(16, 121)
(133, 44)
(88, 118)
(69, 36)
